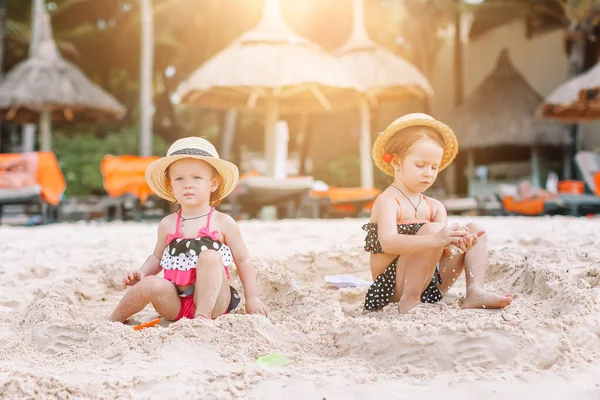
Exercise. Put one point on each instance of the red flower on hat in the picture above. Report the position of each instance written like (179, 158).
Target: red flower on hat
(387, 157)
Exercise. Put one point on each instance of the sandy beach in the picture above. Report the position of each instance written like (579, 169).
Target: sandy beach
(59, 282)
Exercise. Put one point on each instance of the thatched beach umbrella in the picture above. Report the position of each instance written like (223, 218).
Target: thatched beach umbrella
(501, 112)
(46, 87)
(575, 100)
(272, 70)
(382, 75)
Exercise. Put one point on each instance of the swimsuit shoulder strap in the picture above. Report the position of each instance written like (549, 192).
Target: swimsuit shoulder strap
(177, 233)
(430, 208)
(178, 223)
(399, 206)
(210, 213)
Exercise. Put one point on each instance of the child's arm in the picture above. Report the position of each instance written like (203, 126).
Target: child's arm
(152, 264)
(394, 243)
(441, 215)
(245, 266)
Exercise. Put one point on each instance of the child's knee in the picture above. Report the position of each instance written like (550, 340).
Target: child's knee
(154, 285)
(474, 228)
(210, 259)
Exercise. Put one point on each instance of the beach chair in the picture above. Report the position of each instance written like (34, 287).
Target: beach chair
(588, 163)
(42, 192)
(566, 202)
(350, 202)
(534, 206)
(124, 181)
(253, 192)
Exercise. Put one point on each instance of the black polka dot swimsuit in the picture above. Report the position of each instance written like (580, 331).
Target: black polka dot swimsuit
(381, 291)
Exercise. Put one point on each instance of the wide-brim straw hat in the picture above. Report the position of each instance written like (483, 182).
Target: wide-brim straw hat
(406, 121)
(196, 148)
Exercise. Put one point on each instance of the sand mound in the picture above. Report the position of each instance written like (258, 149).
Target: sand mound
(54, 341)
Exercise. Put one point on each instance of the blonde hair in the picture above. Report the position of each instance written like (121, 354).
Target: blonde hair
(400, 144)
(215, 197)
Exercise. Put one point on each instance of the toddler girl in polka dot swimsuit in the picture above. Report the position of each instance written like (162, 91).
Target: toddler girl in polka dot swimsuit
(407, 234)
(195, 245)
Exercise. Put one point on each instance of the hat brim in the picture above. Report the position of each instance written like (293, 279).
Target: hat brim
(450, 142)
(157, 179)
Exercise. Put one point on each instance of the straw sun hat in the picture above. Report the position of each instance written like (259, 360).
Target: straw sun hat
(190, 147)
(415, 119)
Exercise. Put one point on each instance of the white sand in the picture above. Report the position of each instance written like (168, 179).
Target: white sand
(57, 283)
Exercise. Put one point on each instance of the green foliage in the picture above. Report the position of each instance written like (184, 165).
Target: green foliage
(80, 155)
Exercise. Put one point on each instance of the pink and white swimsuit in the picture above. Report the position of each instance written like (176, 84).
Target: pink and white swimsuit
(180, 258)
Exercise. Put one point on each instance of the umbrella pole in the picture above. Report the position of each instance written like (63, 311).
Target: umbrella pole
(304, 133)
(366, 165)
(470, 172)
(28, 138)
(45, 131)
(575, 134)
(228, 133)
(271, 117)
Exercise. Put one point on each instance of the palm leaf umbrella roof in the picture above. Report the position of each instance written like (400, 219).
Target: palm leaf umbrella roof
(270, 62)
(46, 82)
(501, 111)
(575, 100)
(381, 73)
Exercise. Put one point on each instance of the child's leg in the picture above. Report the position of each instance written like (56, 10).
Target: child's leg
(151, 289)
(415, 270)
(474, 263)
(450, 270)
(212, 295)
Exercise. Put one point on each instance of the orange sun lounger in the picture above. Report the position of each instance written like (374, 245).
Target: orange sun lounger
(348, 200)
(48, 174)
(126, 175)
(530, 207)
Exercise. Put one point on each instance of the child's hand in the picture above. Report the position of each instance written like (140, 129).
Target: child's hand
(132, 278)
(469, 241)
(255, 306)
(450, 234)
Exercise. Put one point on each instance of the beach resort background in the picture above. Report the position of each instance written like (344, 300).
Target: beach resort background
(60, 280)
(463, 68)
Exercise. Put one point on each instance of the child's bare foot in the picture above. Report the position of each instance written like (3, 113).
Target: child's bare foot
(483, 299)
(405, 305)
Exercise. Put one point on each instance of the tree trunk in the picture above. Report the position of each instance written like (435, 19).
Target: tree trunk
(2, 28)
(146, 68)
(458, 57)
(168, 104)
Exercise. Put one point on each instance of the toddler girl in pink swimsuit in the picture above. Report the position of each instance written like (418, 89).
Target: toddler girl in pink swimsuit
(195, 245)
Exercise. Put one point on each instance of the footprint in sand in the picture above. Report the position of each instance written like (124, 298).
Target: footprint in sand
(55, 338)
(9, 303)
